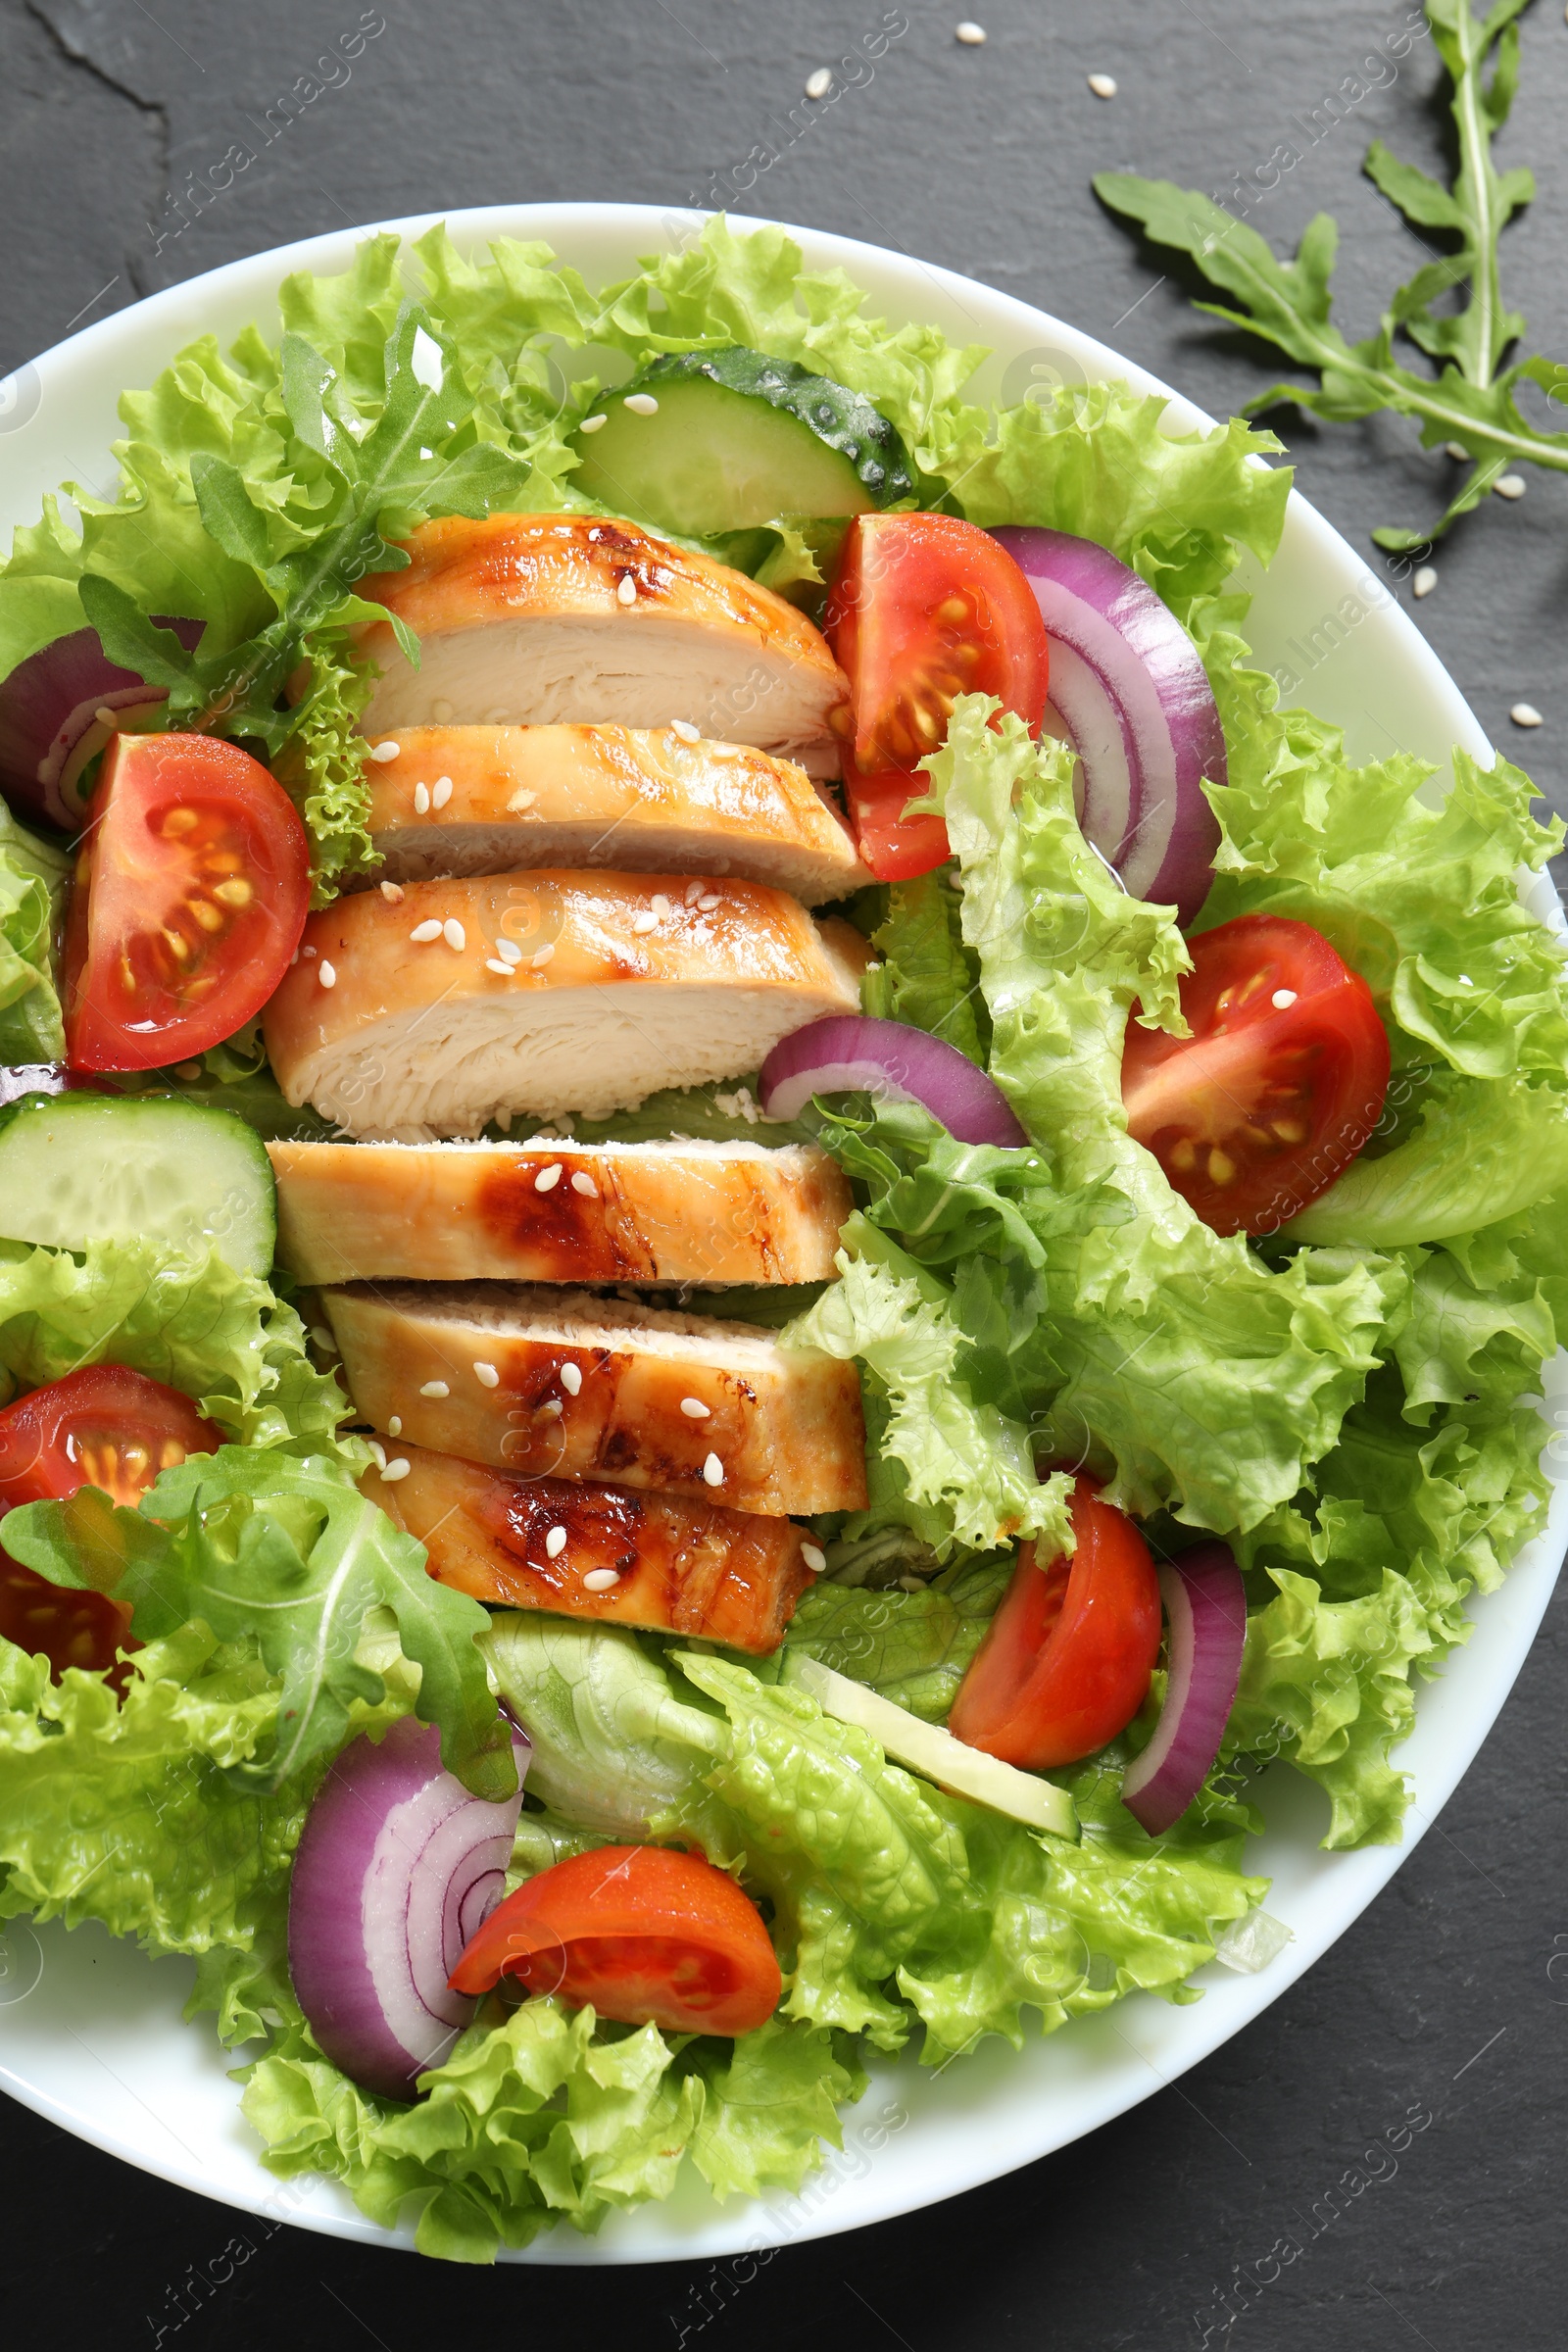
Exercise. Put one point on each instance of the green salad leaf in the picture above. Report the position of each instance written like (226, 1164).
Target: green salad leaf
(913, 1648)
(33, 880)
(252, 1541)
(192, 1322)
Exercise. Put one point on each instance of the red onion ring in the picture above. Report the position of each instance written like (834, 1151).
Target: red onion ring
(398, 1866)
(49, 723)
(850, 1053)
(1127, 681)
(1206, 1608)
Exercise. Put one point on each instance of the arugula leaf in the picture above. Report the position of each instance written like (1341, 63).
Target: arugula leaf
(290, 1552)
(1472, 398)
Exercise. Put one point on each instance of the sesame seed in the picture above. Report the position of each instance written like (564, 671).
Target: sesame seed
(547, 1179)
(555, 1542)
(694, 1408)
(819, 84)
(626, 592)
(1509, 485)
(323, 1337)
(393, 1427)
(660, 905)
(642, 404)
(971, 34)
(1102, 84)
(541, 955)
(599, 1580)
(571, 1379)
(508, 950)
(1456, 449)
(694, 891)
(1525, 714)
(708, 901)
(585, 1185)
(685, 730)
(642, 925)
(502, 971)
(1283, 999)
(435, 1388)
(440, 792)
(814, 1556)
(396, 1470)
(712, 1471)
(590, 424)
(377, 1452)
(910, 1583)
(424, 933)
(392, 892)
(454, 934)
(383, 751)
(1426, 579)
(188, 1069)
(328, 975)
(309, 951)
(104, 715)
(487, 1376)
(520, 800)
(421, 799)
(550, 1411)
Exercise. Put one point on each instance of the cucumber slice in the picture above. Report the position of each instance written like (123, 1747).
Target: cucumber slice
(79, 1168)
(739, 439)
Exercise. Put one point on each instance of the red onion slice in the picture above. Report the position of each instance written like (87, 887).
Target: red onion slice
(1206, 1608)
(850, 1053)
(398, 1866)
(1128, 683)
(49, 723)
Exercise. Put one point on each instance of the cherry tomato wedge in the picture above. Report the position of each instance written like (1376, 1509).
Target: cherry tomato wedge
(645, 1934)
(1066, 1662)
(922, 607)
(1280, 1084)
(102, 1425)
(192, 885)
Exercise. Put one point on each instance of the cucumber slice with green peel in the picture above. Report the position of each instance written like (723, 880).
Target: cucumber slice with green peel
(737, 440)
(79, 1169)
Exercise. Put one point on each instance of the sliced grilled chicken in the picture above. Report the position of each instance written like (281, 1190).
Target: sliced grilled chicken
(584, 1550)
(560, 1384)
(533, 619)
(410, 1020)
(557, 1212)
(486, 800)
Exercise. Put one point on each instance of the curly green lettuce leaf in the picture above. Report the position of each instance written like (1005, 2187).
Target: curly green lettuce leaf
(262, 1543)
(893, 1905)
(957, 1471)
(192, 1322)
(926, 975)
(875, 1873)
(33, 880)
(543, 2118)
(131, 1811)
(1481, 1149)
(1202, 1379)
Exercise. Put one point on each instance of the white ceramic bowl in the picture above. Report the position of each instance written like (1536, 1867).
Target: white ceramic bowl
(90, 2032)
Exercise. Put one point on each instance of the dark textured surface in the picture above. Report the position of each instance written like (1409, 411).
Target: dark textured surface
(1446, 1997)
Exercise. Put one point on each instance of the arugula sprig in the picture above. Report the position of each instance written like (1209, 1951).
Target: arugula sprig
(1471, 400)
(358, 485)
(289, 1553)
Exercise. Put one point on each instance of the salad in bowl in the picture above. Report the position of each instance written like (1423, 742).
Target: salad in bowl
(747, 1225)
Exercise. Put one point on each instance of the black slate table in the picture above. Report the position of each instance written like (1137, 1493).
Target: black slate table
(1450, 1994)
